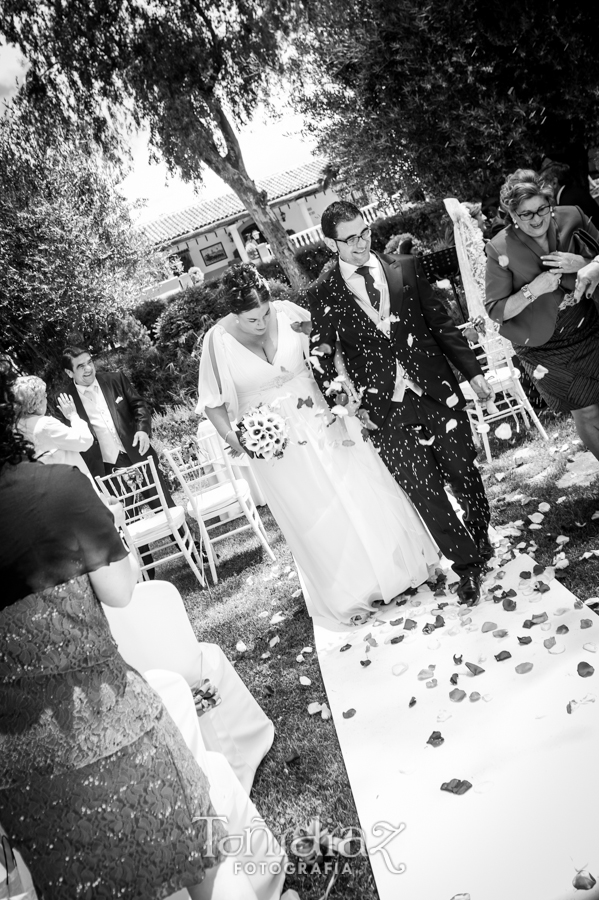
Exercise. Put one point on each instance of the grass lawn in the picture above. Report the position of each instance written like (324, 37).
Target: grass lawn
(303, 776)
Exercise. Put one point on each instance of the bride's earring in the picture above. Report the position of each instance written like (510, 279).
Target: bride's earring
(515, 224)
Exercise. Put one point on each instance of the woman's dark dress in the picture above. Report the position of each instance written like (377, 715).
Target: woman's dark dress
(97, 787)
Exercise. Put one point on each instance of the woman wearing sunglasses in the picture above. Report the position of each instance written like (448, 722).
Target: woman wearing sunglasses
(532, 266)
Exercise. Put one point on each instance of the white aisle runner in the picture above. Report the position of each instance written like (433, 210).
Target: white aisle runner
(530, 820)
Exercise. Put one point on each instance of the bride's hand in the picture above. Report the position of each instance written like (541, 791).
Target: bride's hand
(236, 447)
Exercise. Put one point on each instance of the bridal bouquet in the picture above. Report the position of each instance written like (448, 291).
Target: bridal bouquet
(264, 432)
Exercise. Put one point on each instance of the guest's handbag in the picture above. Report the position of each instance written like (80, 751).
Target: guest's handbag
(585, 244)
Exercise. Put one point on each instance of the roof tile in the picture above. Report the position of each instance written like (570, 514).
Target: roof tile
(169, 227)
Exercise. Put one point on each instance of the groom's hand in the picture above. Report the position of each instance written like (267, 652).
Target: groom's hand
(482, 388)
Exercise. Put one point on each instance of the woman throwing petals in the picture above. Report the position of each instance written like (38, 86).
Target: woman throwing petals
(542, 303)
(355, 537)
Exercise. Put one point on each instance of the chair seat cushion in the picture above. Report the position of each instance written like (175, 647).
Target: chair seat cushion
(217, 498)
(157, 525)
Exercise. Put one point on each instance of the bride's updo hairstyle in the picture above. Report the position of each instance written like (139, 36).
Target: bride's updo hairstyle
(522, 185)
(244, 288)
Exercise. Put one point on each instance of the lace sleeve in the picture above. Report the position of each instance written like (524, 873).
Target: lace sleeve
(216, 385)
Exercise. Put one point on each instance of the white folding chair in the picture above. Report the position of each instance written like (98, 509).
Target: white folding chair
(494, 354)
(149, 520)
(154, 632)
(212, 492)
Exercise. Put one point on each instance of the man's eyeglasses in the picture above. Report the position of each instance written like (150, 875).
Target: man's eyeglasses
(531, 213)
(353, 240)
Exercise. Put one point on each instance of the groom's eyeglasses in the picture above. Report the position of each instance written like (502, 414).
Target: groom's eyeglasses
(355, 238)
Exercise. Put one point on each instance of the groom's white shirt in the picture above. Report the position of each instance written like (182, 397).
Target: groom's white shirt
(357, 286)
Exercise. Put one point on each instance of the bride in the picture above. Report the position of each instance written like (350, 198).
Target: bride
(356, 539)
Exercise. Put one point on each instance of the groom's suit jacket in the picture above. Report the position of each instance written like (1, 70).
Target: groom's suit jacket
(129, 412)
(423, 337)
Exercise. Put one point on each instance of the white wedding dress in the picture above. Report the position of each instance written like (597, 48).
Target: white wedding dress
(353, 533)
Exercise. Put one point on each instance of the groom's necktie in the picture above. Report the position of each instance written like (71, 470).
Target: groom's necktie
(374, 295)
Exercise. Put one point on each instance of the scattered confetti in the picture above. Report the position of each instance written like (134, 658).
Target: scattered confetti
(539, 372)
(305, 681)
(436, 739)
(524, 668)
(583, 880)
(585, 669)
(457, 695)
(476, 670)
(349, 714)
(455, 786)
(240, 647)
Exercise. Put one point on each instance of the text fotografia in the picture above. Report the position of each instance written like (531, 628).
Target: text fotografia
(316, 850)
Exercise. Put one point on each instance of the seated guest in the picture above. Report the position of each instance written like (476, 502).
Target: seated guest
(98, 789)
(53, 440)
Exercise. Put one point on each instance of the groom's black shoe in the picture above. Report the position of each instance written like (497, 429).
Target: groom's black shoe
(469, 589)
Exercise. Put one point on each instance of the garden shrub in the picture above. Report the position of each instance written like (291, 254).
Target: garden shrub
(426, 221)
(149, 311)
(175, 427)
(189, 315)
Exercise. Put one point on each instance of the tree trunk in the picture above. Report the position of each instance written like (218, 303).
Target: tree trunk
(231, 168)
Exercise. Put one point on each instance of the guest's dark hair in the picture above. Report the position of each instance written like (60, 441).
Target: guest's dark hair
(561, 173)
(522, 185)
(69, 353)
(13, 446)
(339, 211)
(243, 288)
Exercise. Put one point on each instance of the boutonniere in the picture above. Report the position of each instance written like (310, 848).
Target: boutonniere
(385, 324)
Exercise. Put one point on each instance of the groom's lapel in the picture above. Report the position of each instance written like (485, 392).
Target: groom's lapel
(394, 276)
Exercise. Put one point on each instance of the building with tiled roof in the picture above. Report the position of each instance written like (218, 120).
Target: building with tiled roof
(212, 234)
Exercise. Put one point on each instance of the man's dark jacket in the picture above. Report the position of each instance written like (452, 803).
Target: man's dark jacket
(130, 413)
(423, 338)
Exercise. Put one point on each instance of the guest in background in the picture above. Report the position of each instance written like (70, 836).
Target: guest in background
(567, 192)
(53, 440)
(119, 418)
(251, 247)
(476, 212)
(532, 270)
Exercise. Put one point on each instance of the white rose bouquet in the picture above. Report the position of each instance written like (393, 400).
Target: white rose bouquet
(264, 432)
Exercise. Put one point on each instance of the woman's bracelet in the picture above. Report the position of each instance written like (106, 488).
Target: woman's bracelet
(230, 431)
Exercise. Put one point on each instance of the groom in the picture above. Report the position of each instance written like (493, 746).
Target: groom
(397, 341)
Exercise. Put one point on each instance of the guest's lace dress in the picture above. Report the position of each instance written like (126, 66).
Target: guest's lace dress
(97, 788)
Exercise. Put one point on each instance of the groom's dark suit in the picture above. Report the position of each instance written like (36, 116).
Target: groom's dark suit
(425, 441)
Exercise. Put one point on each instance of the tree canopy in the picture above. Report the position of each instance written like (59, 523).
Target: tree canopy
(451, 95)
(70, 258)
(190, 70)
